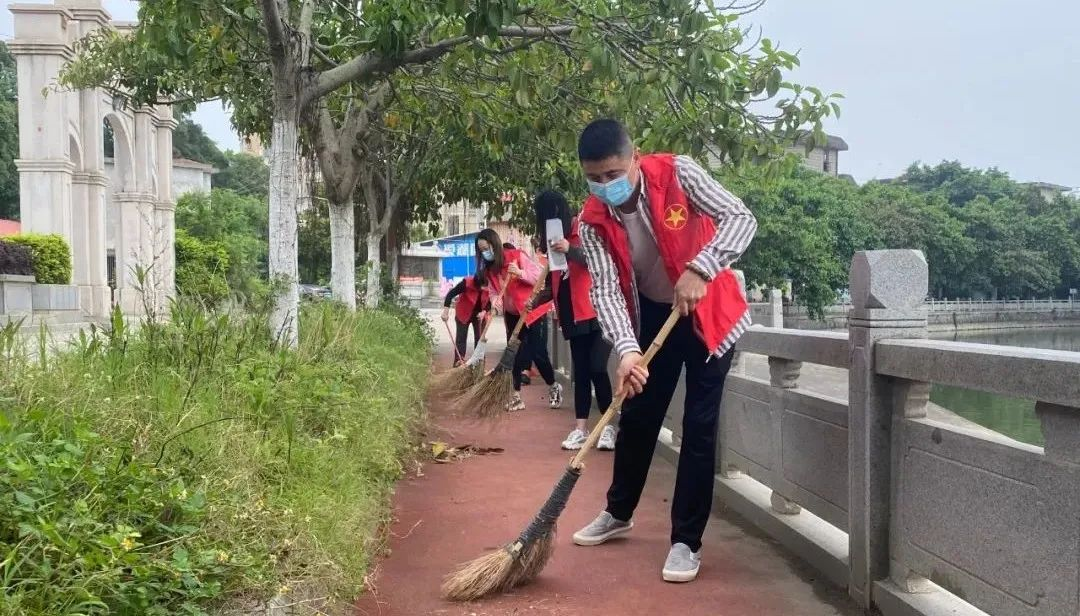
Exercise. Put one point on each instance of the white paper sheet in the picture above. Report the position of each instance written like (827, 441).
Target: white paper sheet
(556, 260)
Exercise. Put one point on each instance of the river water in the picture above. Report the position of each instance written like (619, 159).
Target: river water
(1009, 416)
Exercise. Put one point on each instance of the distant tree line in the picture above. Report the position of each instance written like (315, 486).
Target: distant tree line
(984, 234)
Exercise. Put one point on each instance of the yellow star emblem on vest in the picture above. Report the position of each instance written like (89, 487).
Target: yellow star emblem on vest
(675, 217)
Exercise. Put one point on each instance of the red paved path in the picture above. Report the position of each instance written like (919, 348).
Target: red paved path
(455, 512)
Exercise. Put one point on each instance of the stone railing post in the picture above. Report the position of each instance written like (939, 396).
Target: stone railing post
(776, 307)
(783, 375)
(888, 288)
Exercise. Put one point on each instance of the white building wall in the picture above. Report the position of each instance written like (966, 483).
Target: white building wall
(188, 177)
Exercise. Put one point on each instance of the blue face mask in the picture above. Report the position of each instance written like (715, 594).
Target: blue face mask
(614, 193)
(488, 255)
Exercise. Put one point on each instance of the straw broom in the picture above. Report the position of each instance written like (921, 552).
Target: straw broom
(521, 560)
(460, 378)
(487, 398)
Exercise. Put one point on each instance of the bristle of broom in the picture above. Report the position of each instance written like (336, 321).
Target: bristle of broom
(534, 557)
(454, 381)
(487, 398)
(479, 577)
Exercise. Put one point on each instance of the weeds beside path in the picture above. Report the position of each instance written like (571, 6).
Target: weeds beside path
(191, 465)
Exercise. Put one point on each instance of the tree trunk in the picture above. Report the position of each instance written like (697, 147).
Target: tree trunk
(343, 253)
(392, 256)
(374, 292)
(284, 195)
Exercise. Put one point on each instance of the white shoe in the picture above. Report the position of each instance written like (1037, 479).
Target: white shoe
(607, 439)
(575, 440)
(555, 396)
(515, 404)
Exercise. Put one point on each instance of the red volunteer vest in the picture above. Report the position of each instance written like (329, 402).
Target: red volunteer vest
(466, 302)
(681, 232)
(518, 291)
(579, 279)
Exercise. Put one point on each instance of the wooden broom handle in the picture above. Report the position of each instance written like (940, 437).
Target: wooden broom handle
(537, 288)
(491, 317)
(453, 341)
(616, 405)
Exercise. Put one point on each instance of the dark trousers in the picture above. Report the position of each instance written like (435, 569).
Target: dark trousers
(588, 356)
(539, 331)
(643, 415)
(462, 337)
(532, 340)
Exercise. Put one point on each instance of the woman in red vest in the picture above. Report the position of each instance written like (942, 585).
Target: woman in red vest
(659, 233)
(473, 301)
(495, 264)
(589, 351)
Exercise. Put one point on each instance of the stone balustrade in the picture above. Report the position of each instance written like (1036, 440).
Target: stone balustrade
(910, 513)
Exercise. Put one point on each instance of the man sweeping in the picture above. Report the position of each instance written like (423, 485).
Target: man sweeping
(659, 233)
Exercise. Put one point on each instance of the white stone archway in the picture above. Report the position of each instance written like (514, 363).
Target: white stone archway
(64, 187)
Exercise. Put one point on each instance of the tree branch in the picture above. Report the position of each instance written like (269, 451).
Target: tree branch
(307, 14)
(275, 31)
(368, 66)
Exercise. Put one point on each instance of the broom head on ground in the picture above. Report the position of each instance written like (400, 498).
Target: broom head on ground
(520, 561)
(487, 396)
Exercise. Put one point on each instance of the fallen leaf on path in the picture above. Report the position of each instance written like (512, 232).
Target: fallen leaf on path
(443, 453)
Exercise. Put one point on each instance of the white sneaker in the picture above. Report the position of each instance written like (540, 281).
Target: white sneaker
(516, 403)
(682, 564)
(575, 440)
(607, 439)
(555, 397)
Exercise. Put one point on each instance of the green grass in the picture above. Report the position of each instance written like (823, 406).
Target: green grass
(193, 465)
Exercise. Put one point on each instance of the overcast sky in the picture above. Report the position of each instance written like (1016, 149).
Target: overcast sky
(987, 82)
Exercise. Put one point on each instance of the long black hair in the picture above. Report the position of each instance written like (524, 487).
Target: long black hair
(496, 245)
(547, 205)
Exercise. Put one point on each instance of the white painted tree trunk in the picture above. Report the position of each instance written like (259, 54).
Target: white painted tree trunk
(343, 253)
(284, 196)
(373, 292)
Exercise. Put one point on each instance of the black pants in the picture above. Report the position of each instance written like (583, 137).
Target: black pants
(541, 341)
(643, 415)
(588, 356)
(533, 349)
(462, 338)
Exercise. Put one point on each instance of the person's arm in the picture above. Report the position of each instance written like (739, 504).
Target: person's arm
(735, 224)
(530, 271)
(577, 255)
(606, 295)
(458, 289)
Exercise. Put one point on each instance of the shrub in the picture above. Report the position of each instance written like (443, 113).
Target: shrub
(16, 259)
(99, 531)
(239, 223)
(201, 268)
(193, 464)
(52, 256)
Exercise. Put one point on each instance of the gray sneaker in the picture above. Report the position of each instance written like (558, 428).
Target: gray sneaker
(682, 565)
(601, 529)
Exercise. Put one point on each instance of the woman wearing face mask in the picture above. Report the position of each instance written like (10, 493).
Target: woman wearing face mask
(473, 301)
(570, 289)
(494, 264)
